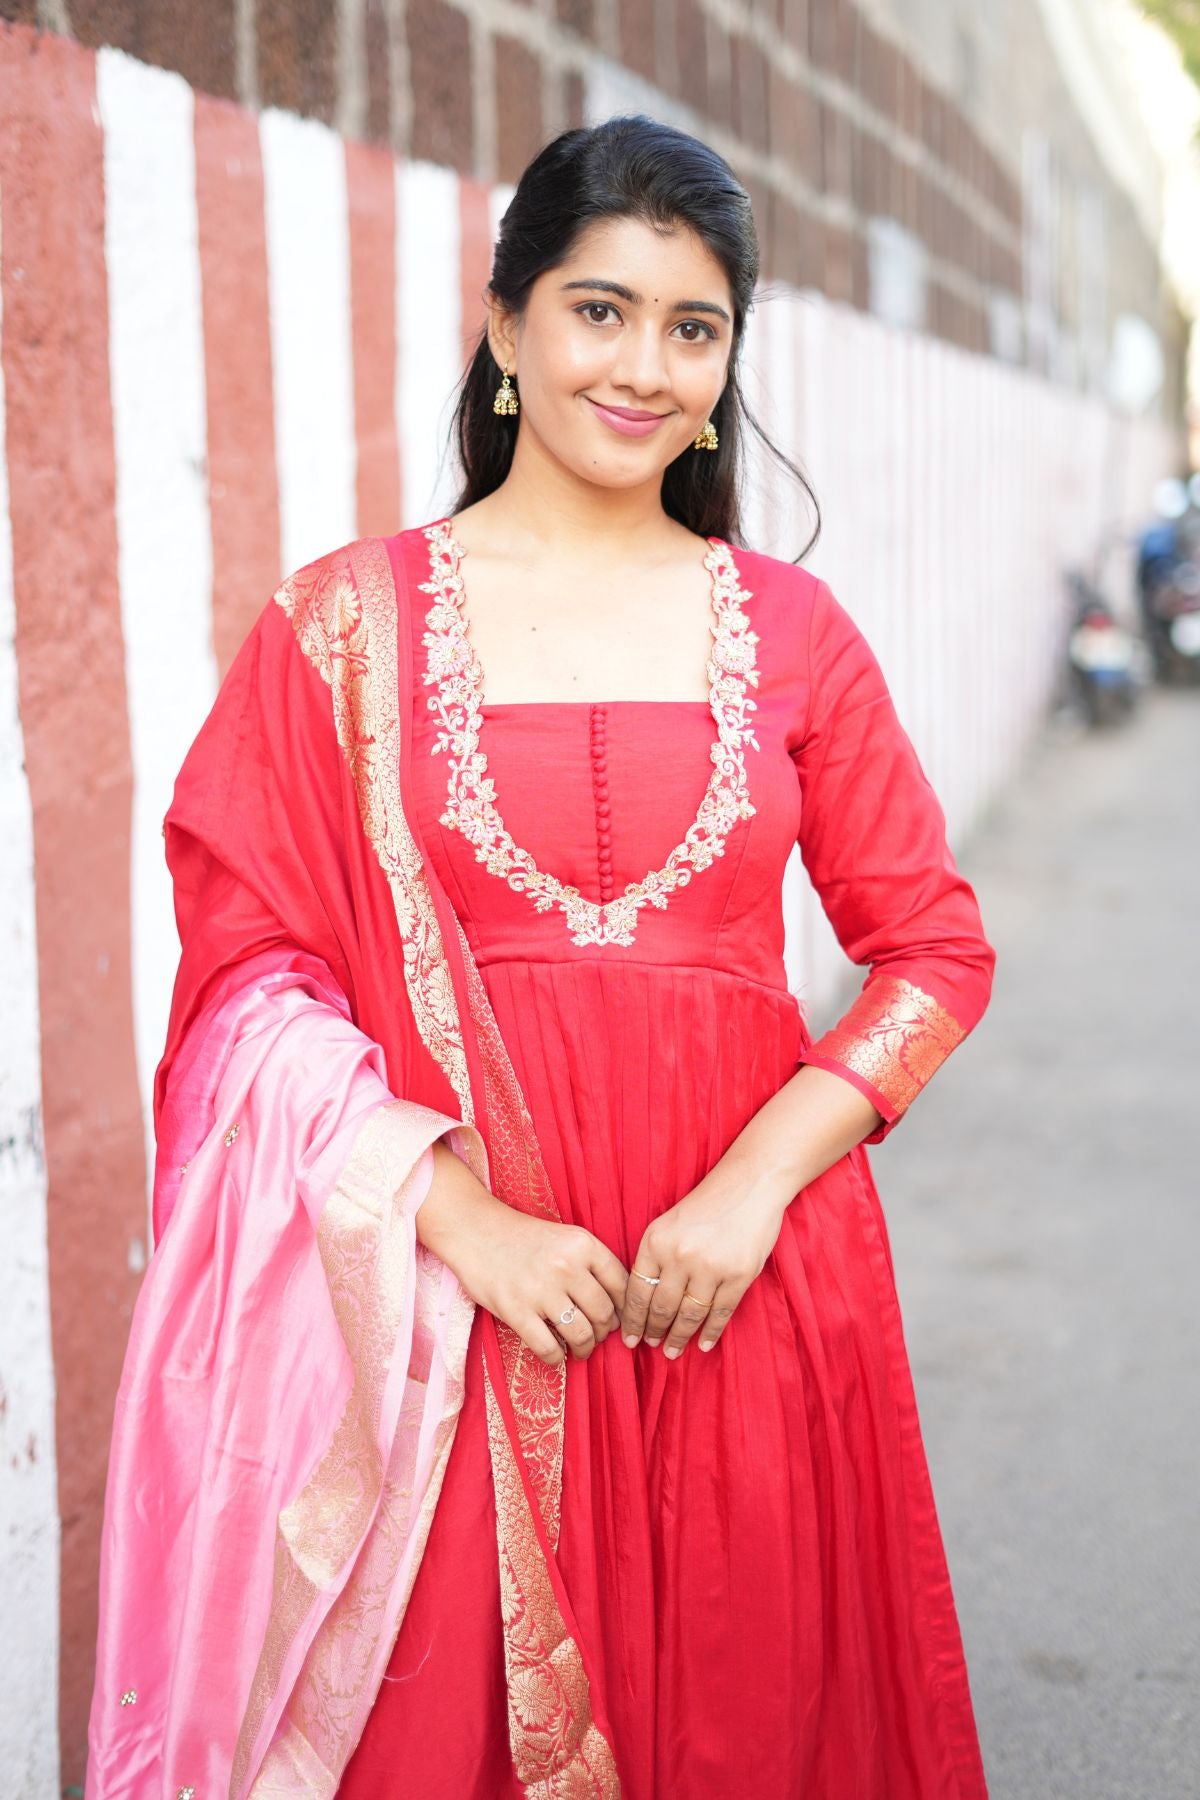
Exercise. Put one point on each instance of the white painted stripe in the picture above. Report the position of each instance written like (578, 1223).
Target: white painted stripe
(498, 199)
(312, 356)
(164, 542)
(428, 336)
(29, 1540)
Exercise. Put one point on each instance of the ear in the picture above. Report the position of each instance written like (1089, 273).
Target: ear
(501, 332)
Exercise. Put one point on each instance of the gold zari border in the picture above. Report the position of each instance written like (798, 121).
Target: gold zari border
(895, 1036)
(343, 609)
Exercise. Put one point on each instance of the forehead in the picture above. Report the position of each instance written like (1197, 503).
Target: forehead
(663, 259)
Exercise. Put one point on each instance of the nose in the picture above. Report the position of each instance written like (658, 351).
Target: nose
(640, 366)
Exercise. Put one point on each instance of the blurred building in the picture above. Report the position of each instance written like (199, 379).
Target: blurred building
(242, 252)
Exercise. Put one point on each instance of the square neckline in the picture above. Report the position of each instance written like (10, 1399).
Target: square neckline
(502, 706)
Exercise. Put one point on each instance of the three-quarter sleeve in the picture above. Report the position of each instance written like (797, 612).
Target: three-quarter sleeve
(873, 840)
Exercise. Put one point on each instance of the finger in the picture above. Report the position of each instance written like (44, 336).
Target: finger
(576, 1331)
(541, 1340)
(639, 1293)
(610, 1272)
(664, 1307)
(691, 1315)
(597, 1303)
(723, 1306)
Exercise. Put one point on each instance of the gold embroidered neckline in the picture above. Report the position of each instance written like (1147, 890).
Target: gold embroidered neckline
(452, 663)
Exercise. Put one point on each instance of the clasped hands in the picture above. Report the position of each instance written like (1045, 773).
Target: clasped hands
(705, 1251)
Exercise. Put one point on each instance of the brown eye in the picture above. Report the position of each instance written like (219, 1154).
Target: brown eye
(590, 306)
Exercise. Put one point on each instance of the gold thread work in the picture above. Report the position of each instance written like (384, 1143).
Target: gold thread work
(895, 1036)
(344, 613)
(454, 666)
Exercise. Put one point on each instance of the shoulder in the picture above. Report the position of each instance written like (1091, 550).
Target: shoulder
(788, 607)
(340, 604)
(786, 592)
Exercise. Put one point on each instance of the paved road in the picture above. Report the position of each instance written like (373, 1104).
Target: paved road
(1044, 1202)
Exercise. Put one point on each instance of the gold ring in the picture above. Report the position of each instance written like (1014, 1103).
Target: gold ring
(697, 1299)
(652, 1279)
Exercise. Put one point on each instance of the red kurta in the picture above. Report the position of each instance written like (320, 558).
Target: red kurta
(749, 1537)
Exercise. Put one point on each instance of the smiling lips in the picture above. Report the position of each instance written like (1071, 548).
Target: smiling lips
(630, 421)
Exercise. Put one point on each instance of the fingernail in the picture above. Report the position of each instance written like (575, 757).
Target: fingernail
(654, 1342)
(709, 1345)
(672, 1349)
(630, 1340)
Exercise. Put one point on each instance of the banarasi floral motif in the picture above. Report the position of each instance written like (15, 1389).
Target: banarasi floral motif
(344, 612)
(895, 1036)
(471, 803)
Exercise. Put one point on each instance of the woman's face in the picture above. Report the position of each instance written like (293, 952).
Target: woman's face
(635, 319)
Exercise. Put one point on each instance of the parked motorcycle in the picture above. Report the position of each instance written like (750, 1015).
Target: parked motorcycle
(1102, 655)
(1172, 613)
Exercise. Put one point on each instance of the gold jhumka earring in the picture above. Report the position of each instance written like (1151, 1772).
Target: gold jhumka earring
(506, 398)
(706, 439)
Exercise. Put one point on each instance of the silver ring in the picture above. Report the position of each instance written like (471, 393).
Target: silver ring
(564, 1318)
(652, 1279)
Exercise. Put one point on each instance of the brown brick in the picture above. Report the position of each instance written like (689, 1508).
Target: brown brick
(719, 102)
(519, 130)
(787, 109)
(931, 118)
(860, 271)
(440, 64)
(909, 194)
(794, 23)
(867, 79)
(578, 16)
(823, 35)
(297, 56)
(786, 239)
(197, 41)
(909, 84)
(810, 256)
(749, 81)
(635, 37)
(573, 114)
(835, 150)
(846, 64)
(691, 50)
(838, 282)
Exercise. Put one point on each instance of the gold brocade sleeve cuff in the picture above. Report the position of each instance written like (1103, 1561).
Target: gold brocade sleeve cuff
(893, 1038)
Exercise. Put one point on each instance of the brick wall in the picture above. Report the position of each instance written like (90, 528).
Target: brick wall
(830, 119)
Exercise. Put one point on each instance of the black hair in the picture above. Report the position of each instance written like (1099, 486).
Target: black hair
(628, 166)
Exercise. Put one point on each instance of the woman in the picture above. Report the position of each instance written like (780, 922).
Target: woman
(517, 1402)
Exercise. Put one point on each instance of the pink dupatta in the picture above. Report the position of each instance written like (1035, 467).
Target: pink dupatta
(295, 1368)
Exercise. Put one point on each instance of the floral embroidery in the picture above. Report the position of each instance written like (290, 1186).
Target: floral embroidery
(344, 612)
(895, 1036)
(453, 664)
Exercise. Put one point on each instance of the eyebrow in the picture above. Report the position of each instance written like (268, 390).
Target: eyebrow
(635, 299)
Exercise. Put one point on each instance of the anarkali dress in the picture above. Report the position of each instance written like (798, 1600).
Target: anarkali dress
(359, 1539)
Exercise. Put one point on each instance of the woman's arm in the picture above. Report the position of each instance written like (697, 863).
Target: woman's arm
(873, 839)
(524, 1269)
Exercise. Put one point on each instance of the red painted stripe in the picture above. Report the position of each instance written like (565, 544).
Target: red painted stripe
(71, 686)
(243, 478)
(475, 259)
(371, 199)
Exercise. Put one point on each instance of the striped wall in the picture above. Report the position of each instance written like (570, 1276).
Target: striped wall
(228, 342)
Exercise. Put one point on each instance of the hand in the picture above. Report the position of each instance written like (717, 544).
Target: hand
(706, 1250)
(525, 1270)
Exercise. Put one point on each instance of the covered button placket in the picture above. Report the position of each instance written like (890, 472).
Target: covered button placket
(603, 803)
